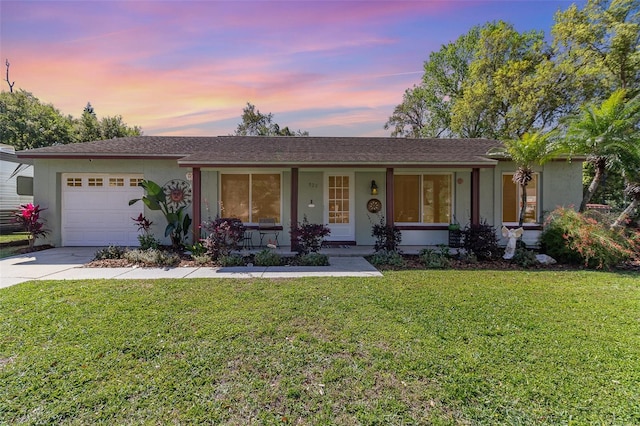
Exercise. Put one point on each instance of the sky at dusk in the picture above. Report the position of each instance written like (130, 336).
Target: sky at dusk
(333, 68)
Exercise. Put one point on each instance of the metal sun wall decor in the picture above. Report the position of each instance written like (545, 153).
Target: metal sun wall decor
(178, 193)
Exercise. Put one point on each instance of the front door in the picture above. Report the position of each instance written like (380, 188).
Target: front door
(339, 206)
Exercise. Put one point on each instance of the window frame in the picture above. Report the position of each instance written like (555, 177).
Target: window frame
(537, 220)
(421, 188)
(250, 174)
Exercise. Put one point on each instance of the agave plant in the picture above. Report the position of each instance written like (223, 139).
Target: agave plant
(178, 221)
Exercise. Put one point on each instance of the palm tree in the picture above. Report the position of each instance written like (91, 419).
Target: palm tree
(608, 135)
(528, 150)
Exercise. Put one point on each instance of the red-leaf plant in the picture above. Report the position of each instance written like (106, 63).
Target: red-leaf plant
(28, 216)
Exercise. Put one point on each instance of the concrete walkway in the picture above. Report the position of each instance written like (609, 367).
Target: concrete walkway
(67, 263)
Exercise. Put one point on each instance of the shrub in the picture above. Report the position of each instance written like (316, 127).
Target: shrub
(201, 259)
(224, 236)
(28, 217)
(525, 258)
(111, 252)
(308, 237)
(481, 241)
(570, 237)
(267, 257)
(197, 249)
(152, 257)
(231, 260)
(312, 259)
(146, 240)
(432, 259)
(388, 237)
(387, 258)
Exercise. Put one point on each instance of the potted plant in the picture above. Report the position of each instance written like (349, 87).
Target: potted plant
(455, 235)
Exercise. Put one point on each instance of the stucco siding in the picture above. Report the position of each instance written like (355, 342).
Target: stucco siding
(562, 185)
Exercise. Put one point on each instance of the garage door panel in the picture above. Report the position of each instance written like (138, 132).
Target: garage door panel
(100, 215)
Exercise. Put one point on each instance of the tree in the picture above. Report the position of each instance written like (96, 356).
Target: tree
(89, 128)
(115, 127)
(425, 110)
(513, 86)
(526, 151)
(254, 123)
(601, 44)
(26, 122)
(492, 82)
(9, 82)
(608, 134)
(633, 192)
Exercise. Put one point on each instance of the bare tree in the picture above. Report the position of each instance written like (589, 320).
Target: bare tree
(8, 82)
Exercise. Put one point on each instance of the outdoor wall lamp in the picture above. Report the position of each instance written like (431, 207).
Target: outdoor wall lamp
(374, 188)
(311, 205)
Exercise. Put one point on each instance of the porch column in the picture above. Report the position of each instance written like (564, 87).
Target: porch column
(389, 194)
(475, 196)
(197, 201)
(294, 201)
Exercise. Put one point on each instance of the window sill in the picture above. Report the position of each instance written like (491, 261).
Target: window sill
(418, 227)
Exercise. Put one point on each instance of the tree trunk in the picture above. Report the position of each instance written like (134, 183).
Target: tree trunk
(625, 213)
(597, 177)
(523, 203)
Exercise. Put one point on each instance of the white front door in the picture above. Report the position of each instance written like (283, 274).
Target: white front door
(339, 206)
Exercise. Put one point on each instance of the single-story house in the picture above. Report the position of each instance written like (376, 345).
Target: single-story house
(347, 183)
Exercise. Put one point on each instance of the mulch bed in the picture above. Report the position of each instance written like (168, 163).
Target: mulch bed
(412, 263)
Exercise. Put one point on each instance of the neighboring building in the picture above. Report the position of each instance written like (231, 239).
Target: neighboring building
(421, 185)
(16, 186)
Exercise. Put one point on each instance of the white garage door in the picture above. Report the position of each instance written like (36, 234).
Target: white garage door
(96, 211)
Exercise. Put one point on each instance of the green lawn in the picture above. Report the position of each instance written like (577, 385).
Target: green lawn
(414, 347)
(13, 237)
(11, 244)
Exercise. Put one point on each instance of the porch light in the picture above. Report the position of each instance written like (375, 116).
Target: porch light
(374, 188)
(311, 205)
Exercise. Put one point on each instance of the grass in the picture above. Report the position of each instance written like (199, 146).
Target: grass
(13, 237)
(413, 347)
(11, 244)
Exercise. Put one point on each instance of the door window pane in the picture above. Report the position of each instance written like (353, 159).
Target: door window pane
(338, 199)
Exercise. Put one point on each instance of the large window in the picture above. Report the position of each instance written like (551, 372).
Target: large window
(251, 197)
(512, 200)
(424, 198)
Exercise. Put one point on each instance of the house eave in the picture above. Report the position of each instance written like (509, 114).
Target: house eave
(99, 156)
(196, 164)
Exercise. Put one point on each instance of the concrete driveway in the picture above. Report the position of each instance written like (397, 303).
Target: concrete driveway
(67, 263)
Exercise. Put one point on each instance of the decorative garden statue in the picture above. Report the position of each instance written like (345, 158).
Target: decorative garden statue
(512, 235)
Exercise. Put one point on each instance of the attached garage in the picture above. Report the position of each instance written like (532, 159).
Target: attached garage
(96, 211)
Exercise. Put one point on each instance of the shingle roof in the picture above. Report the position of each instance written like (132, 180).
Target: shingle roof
(281, 151)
